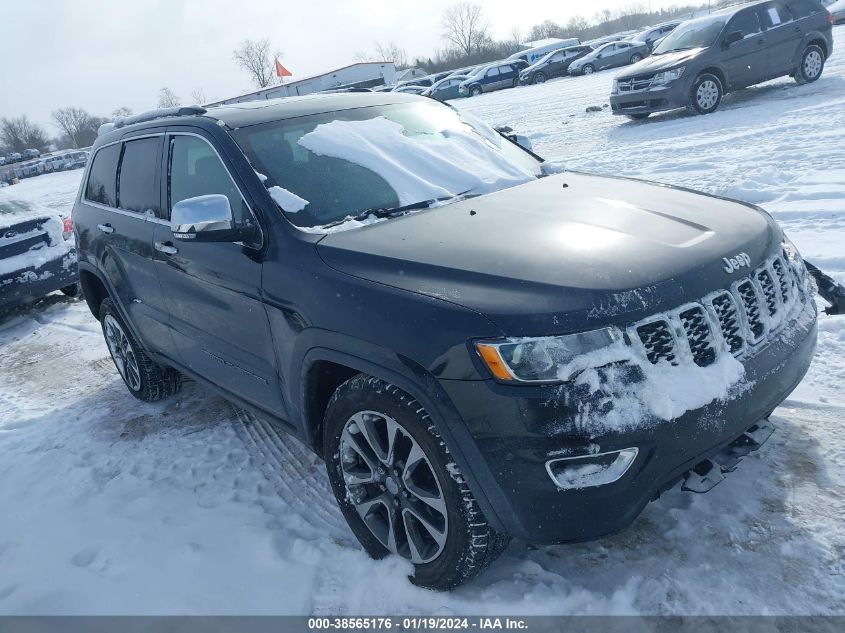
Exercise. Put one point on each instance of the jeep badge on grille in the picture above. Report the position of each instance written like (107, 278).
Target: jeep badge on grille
(733, 264)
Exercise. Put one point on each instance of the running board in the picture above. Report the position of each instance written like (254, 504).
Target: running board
(706, 474)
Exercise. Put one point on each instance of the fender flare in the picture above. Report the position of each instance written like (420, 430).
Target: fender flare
(423, 387)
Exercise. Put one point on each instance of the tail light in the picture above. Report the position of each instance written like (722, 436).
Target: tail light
(67, 227)
(830, 17)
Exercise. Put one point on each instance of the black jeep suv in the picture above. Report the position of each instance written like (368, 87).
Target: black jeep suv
(702, 59)
(478, 348)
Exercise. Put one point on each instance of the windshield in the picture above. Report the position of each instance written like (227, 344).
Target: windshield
(699, 33)
(323, 168)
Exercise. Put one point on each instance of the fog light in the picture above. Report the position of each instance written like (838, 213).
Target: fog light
(588, 471)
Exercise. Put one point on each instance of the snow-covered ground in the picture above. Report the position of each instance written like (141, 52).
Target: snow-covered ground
(187, 506)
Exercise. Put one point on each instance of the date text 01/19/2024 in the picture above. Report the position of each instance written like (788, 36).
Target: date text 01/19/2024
(417, 623)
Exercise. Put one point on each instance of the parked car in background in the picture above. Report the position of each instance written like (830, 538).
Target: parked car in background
(702, 59)
(656, 33)
(491, 77)
(14, 157)
(836, 9)
(76, 159)
(37, 253)
(610, 55)
(445, 89)
(533, 54)
(30, 153)
(411, 89)
(425, 82)
(554, 64)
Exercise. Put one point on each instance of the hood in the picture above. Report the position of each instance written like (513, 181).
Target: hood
(656, 63)
(561, 253)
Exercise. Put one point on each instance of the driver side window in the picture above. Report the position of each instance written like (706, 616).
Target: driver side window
(746, 23)
(194, 169)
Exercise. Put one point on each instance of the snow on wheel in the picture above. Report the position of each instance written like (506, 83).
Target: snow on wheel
(539, 78)
(398, 487)
(635, 58)
(475, 91)
(145, 379)
(588, 69)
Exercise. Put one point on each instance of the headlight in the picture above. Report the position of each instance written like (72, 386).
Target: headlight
(667, 75)
(794, 259)
(545, 359)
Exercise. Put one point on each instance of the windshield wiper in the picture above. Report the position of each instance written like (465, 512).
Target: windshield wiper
(390, 212)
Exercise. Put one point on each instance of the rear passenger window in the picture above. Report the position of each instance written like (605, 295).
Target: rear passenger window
(138, 189)
(102, 178)
(196, 170)
(776, 15)
(801, 8)
(746, 23)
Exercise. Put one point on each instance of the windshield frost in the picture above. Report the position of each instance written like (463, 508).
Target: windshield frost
(343, 163)
(700, 33)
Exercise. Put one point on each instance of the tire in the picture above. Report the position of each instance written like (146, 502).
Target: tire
(635, 58)
(811, 65)
(475, 91)
(145, 379)
(539, 78)
(638, 117)
(588, 69)
(71, 291)
(364, 412)
(706, 94)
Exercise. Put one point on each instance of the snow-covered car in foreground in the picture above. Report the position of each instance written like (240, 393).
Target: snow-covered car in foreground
(478, 347)
(37, 255)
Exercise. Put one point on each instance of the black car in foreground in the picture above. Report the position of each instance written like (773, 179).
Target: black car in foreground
(479, 348)
(704, 58)
(37, 253)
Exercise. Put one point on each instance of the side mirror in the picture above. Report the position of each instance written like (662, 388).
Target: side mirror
(732, 38)
(203, 219)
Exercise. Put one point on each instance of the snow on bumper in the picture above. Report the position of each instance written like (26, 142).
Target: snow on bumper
(36, 273)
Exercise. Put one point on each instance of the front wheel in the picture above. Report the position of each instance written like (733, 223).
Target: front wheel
(811, 65)
(635, 58)
(539, 78)
(706, 94)
(475, 91)
(588, 69)
(145, 379)
(399, 488)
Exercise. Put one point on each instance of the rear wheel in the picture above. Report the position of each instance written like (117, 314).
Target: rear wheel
(706, 94)
(539, 78)
(399, 488)
(145, 379)
(811, 65)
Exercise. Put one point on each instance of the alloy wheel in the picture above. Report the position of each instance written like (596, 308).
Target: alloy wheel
(122, 353)
(539, 78)
(393, 486)
(812, 64)
(707, 94)
(588, 70)
(635, 58)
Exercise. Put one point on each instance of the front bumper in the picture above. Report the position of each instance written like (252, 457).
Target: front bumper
(656, 99)
(518, 429)
(28, 284)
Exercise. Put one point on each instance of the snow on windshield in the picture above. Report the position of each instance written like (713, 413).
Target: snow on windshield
(419, 167)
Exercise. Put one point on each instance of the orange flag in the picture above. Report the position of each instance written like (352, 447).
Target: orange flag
(281, 71)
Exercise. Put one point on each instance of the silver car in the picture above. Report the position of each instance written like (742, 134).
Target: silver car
(610, 55)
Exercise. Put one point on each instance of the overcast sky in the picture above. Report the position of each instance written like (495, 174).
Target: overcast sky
(102, 54)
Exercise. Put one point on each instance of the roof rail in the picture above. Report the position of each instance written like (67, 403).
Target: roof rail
(151, 115)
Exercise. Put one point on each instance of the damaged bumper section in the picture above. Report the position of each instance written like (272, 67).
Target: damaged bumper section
(562, 465)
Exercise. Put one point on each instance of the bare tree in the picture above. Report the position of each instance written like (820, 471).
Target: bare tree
(121, 111)
(198, 96)
(167, 98)
(392, 52)
(465, 27)
(517, 35)
(545, 29)
(255, 57)
(79, 126)
(21, 133)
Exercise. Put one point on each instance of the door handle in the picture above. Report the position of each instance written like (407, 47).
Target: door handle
(106, 228)
(166, 248)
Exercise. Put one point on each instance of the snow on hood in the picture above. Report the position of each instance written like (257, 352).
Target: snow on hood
(421, 167)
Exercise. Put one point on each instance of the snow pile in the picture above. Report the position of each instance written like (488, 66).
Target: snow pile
(36, 257)
(287, 200)
(420, 167)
